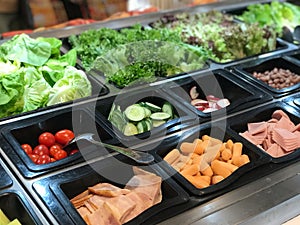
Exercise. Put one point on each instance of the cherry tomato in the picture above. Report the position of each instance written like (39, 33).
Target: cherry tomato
(47, 139)
(73, 152)
(41, 150)
(33, 157)
(64, 136)
(54, 149)
(52, 159)
(43, 159)
(60, 154)
(27, 148)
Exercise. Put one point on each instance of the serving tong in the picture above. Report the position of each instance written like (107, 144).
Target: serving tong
(137, 156)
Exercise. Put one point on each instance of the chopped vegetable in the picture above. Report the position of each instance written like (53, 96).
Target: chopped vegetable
(141, 117)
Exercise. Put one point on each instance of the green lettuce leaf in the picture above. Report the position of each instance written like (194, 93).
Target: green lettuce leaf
(73, 85)
(26, 50)
(36, 91)
(11, 93)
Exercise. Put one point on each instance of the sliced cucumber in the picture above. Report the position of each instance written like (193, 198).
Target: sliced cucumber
(135, 112)
(142, 126)
(149, 123)
(157, 123)
(160, 116)
(168, 108)
(117, 119)
(147, 112)
(130, 129)
(152, 107)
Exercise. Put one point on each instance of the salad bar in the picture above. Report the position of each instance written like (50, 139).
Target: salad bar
(187, 116)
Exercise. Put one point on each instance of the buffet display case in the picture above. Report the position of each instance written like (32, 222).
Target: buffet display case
(193, 123)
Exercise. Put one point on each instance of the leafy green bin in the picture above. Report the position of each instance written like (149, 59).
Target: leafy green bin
(134, 55)
(35, 74)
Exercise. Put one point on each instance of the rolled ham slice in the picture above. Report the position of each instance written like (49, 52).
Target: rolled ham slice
(278, 136)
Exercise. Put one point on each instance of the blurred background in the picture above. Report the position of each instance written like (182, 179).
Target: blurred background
(41, 14)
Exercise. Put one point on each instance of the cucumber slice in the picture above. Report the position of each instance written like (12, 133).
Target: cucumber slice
(160, 116)
(152, 107)
(147, 112)
(157, 123)
(135, 112)
(117, 119)
(149, 123)
(168, 108)
(130, 129)
(142, 126)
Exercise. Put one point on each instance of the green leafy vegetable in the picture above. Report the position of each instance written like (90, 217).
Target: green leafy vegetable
(24, 49)
(219, 33)
(28, 70)
(276, 14)
(73, 85)
(137, 54)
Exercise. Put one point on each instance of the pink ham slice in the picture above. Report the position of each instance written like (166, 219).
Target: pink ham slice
(276, 151)
(105, 204)
(286, 139)
(250, 138)
(278, 136)
(103, 215)
(109, 190)
(278, 114)
(285, 123)
(143, 202)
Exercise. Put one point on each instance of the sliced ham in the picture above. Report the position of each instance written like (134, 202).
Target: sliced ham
(250, 138)
(103, 215)
(84, 212)
(109, 190)
(285, 123)
(257, 128)
(278, 114)
(147, 184)
(278, 136)
(105, 204)
(142, 201)
(285, 139)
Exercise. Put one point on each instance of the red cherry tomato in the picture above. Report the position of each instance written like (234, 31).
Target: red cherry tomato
(64, 136)
(52, 159)
(41, 150)
(54, 149)
(43, 159)
(33, 157)
(60, 154)
(27, 148)
(47, 139)
(73, 152)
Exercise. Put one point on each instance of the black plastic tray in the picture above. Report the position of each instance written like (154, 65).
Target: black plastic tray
(263, 65)
(117, 171)
(239, 123)
(27, 131)
(219, 83)
(6, 180)
(15, 206)
(257, 157)
(293, 100)
(151, 95)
